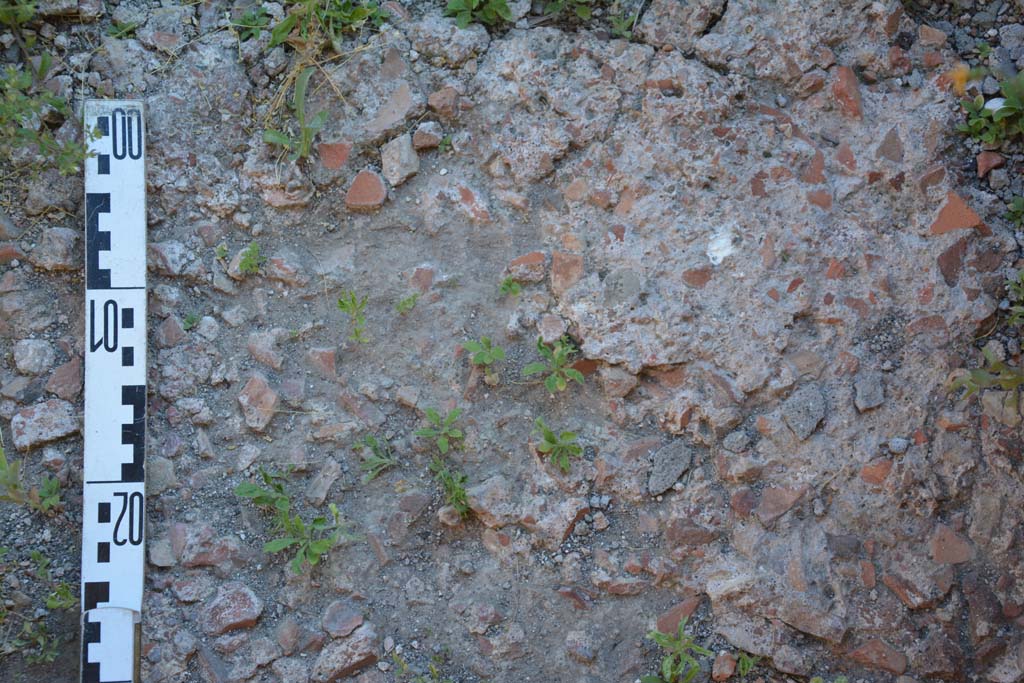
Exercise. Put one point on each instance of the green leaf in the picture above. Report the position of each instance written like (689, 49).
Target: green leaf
(552, 383)
(498, 353)
(274, 137)
(452, 416)
(534, 368)
(472, 346)
(322, 546)
(279, 544)
(280, 32)
(433, 416)
(582, 11)
(247, 490)
(442, 444)
(574, 375)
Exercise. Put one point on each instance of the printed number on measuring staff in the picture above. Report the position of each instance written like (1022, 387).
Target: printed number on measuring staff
(132, 506)
(126, 133)
(108, 330)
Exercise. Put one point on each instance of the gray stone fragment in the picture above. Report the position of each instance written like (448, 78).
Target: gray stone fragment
(898, 445)
(33, 356)
(869, 392)
(804, 410)
(667, 465)
(736, 442)
(399, 160)
(160, 475)
(43, 423)
(56, 250)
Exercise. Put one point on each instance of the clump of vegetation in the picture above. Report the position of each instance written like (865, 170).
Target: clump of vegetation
(453, 483)
(118, 29)
(407, 304)
(445, 145)
(308, 542)
(745, 663)
(221, 251)
(837, 679)
(251, 24)
(581, 8)
(995, 373)
(443, 432)
(299, 145)
(556, 364)
(485, 355)
(377, 457)
(25, 632)
(190, 321)
(489, 12)
(324, 21)
(1015, 293)
(1000, 118)
(623, 24)
(679, 665)
(27, 110)
(560, 447)
(355, 308)
(252, 260)
(509, 287)
(44, 498)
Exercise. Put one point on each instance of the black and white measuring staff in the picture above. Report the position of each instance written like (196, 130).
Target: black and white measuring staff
(113, 502)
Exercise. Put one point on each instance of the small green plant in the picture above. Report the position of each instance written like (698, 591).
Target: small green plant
(251, 260)
(556, 365)
(745, 663)
(221, 251)
(377, 457)
(1004, 121)
(581, 8)
(1015, 211)
(453, 483)
(485, 355)
(309, 541)
(622, 26)
(996, 373)
(560, 447)
(510, 287)
(837, 679)
(445, 145)
(44, 499)
(61, 597)
(1015, 293)
(118, 29)
(354, 307)
(407, 304)
(317, 21)
(983, 48)
(488, 12)
(301, 145)
(250, 26)
(443, 433)
(679, 665)
(190, 321)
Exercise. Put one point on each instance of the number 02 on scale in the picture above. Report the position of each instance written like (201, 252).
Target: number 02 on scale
(113, 503)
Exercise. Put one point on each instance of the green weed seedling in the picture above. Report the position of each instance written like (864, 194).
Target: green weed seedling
(679, 665)
(453, 483)
(221, 251)
(301, 145)
(309, 542)
(354, 307)
(443, 433)
(556, 365)
(837, 679)
(485, 355)
(251, 24)
(560, 447)
(445, 145)
(622, 25)
(1015, 211)
(407, 304)
(745, 663)
(992, 125)
(122, 30)
(996, 373)
(1015, 293)
(44, 499)
(510, 287)
(377, 457)
(23, 103)
(189, 322)
(488, 12)
(581, 8)
(325, 20)
(252, 260)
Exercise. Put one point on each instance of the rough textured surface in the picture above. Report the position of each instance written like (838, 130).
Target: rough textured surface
(756, 222)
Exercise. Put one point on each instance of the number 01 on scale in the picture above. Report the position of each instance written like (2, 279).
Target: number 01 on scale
(113, 503)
